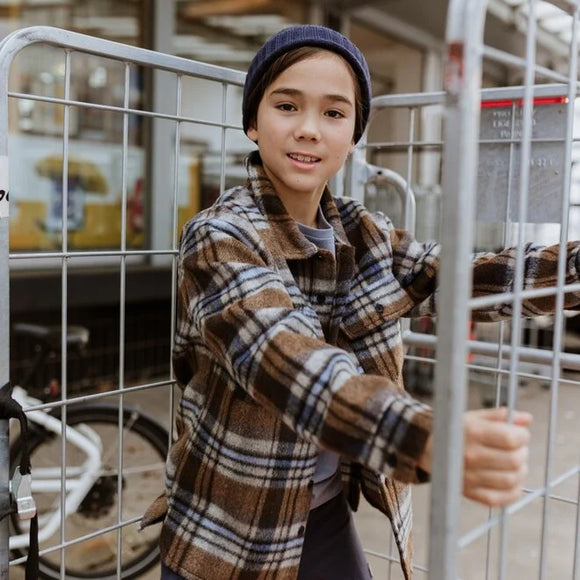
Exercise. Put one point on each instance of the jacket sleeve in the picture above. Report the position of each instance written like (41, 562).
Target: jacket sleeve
(495, 274)
(416, 267)
(233, 303)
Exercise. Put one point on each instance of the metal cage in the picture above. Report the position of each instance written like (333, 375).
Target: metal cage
(522, 137)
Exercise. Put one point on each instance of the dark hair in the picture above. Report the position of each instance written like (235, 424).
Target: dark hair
(284, 62)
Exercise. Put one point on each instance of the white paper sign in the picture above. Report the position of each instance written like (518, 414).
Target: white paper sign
(4, 203)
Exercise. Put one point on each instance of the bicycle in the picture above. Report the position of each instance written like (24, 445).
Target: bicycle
(91, 475)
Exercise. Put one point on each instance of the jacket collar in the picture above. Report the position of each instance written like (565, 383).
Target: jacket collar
(290, 242)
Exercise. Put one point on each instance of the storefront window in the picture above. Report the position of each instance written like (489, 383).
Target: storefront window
(94, 134)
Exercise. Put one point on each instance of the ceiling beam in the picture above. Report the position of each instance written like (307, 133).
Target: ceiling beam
(206, 8)
(397, 28)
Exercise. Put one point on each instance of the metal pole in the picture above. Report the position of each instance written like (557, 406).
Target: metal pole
(4, 492)
(464, 37)
(559, 321)
(4, 320)
(162, 134)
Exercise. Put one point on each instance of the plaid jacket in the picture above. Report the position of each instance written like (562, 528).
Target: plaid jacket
(282, 349)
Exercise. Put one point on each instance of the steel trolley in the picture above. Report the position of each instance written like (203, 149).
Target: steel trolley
(500, 172)
(67, 552)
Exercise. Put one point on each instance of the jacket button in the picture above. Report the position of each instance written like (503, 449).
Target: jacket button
(379, 308)
(319, 255)
(320, 299)
(301, 530)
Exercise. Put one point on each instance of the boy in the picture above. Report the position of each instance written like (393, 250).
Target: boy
(288, 348)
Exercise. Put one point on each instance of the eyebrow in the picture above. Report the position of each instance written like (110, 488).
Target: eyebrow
(296, 93)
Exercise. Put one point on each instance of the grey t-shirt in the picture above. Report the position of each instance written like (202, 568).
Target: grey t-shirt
(327, 481)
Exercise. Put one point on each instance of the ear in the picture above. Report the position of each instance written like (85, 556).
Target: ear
(252, 134)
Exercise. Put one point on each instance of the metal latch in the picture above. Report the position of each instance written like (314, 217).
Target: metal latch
(21, 489)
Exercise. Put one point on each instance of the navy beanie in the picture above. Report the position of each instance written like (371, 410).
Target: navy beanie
(308, 35)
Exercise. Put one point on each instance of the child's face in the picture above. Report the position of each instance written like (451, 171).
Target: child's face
(305, 126)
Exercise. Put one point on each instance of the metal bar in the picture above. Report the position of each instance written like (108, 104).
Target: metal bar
(122, 314)
(525, 354)
(562, 259)
(4, 323)
(423, 145)
(498, 381)
(576, 568)
(488, 94)
(4, 471)
(519, 262)
(499, 372)
(174, 261)
(80, 539)
(518, 62)
(19, 39)
(72, 42)
(496, 299)
(515, 507)
(64, 305)
(393, 560)
(409, 199)
(404, 145)
(561, 499)
(98, 396)
(223, 138)
(516, 21)
(90, 254)
(464, 31)
(114, 109)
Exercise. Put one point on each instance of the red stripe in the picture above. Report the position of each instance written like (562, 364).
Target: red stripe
(520, 102)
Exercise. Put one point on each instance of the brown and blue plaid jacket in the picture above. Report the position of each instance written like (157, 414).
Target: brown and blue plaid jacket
(280, 350)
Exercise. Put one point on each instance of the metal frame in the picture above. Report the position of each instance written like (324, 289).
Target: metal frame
(464, 43)
(70, 43)
(460, 111)
(461, 103)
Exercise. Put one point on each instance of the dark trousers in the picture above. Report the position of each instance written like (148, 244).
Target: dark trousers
(332, 549)
(167, 574)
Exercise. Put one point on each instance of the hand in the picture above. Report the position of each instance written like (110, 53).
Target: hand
(495, 455)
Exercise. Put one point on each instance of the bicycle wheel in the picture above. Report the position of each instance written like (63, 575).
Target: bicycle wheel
(145, 445)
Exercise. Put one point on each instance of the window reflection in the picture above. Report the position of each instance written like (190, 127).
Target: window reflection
(86, 114)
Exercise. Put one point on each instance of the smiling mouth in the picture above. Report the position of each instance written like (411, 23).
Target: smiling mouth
(303, 158)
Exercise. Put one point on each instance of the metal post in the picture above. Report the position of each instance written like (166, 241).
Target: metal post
(4, 326)
(164, 236)
(4, 492)
(463, 78)
(162, 133)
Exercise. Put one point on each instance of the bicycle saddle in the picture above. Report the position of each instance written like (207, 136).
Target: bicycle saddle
(51, 335)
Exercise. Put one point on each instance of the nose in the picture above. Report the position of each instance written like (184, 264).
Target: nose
(308, 128)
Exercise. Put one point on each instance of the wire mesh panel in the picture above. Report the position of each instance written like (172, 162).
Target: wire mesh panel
(500, 173)
(79, 196)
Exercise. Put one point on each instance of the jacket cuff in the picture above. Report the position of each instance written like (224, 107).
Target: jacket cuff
(411, 446)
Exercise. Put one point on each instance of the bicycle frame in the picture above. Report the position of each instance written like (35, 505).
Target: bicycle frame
(77, 481)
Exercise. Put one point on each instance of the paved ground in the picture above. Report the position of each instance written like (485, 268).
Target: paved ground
(523, 531)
